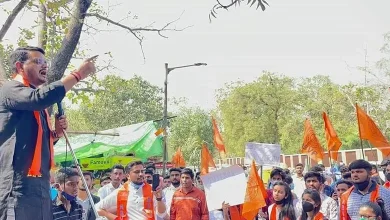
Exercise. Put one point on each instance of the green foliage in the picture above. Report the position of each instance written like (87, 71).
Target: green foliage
(119, 102)
(189, 130)
(272, 109)
(5, 51)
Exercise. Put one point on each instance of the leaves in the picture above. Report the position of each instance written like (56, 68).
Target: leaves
(188, 130)
(236, 3)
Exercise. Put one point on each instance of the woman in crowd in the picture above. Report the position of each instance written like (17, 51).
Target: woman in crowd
(283, 208)
(311, 205)
(370, 211)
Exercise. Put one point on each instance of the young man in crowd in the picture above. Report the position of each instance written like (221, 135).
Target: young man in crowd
(134, 200)
(174, 175)
(298, 180)
(82, 197)
(188, 201)
(341, 187)
(116, 176)
(65, 206)
(364, 190)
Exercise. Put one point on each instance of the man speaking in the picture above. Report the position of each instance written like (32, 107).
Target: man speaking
(26, 136)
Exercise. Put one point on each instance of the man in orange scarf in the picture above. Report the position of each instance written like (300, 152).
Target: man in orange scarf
(26, 136)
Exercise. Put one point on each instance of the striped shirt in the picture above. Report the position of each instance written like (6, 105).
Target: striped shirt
(356, 199)
(60, 212)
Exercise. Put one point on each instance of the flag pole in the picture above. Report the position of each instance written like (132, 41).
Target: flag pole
(361, 141)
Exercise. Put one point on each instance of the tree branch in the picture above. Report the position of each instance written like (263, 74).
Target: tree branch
(62, 58)
(42, 28)
(11, 17)
(135, 30)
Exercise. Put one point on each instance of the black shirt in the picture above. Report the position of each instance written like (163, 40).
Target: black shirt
(18, 134)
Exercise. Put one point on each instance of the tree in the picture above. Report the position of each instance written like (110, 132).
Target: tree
(60, 28)
(189, 130)
(117, 102)
(254, 111)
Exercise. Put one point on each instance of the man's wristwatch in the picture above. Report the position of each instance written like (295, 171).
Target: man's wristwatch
(159, 199)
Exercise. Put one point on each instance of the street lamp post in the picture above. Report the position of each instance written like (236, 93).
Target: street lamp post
(165, 117)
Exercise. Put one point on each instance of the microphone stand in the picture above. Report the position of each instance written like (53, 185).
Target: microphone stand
(60, 113)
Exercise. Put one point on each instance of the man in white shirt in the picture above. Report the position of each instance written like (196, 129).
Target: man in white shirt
(174, 174)
(298, 180)
(117, 174)
(139, 204)
(329, 208)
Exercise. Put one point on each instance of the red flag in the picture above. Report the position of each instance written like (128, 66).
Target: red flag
(332, 139)
(218, 142)
(206, 160)
(311, 145)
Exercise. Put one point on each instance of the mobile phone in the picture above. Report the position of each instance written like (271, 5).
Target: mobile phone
(156, 181)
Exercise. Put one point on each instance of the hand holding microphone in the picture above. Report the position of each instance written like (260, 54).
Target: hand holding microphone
(61, 123)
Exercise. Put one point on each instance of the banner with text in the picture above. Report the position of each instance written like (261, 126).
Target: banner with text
(227, 184)
(263, 154)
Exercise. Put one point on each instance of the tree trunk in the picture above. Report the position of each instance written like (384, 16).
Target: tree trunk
(42, 28)
(12, 17)
(61, 60)
(3, 74)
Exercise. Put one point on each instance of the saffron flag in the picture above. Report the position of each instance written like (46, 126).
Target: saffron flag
(332, 139)
(311, 145)
(370, 132)
(254, 198)
(159, 131)
(206, 160)
(178, 159)
(218, 142)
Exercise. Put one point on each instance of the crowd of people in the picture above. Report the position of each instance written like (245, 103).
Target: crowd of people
(126, 193)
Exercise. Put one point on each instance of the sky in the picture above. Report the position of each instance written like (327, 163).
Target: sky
(295, 38)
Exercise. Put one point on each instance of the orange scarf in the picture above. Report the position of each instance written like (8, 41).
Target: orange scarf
(387, 185)
(123, 195)
(344, 201)
(235, 212)
(273, 213)
(35, 167)
(319, 216)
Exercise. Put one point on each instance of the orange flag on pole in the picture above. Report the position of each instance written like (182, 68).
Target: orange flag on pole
(369, 131)
(206, 160)
(254, 198)
(311, 145)
(178, 159)
(332, 139)
(218, 142)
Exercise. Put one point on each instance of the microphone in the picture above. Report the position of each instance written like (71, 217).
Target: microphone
(60, 109)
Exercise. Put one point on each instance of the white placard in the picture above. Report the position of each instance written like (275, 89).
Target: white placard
(263, 154)
(227, 184)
